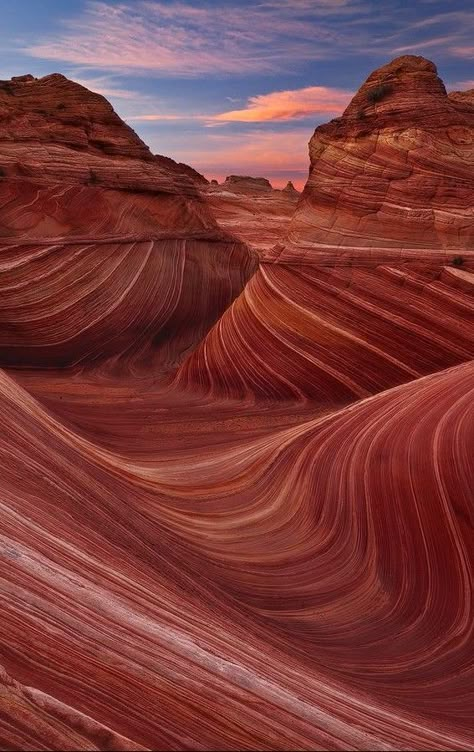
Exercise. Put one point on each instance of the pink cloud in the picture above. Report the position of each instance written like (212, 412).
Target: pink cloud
(426, 44)
(462, 85)
(181, 39)
(463, 51)
(290, 105)
(105, 86)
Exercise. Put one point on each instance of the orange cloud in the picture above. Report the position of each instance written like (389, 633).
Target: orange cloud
(294, 104)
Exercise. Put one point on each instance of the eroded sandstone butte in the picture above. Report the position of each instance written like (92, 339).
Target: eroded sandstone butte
(393, 176)
(86, 209)
(183, 570)
(252, 210)
(361, 294)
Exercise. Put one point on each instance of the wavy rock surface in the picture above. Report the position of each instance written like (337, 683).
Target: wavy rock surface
(335, 334)
(258, 652)
(361, 294)
(86, 208)
(252, 210)
(393, 176)
(269, 547)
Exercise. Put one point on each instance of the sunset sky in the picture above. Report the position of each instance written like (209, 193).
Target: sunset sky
(232, 86)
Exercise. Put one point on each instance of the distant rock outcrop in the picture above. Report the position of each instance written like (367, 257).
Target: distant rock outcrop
(252, 209)
(245, 183)
(290, 188)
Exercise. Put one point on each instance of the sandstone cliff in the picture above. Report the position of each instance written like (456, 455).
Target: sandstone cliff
(392, 177)
(252, 209)
(362, 294)
(127, 234)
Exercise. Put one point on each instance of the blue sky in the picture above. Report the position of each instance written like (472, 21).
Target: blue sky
(232, 86)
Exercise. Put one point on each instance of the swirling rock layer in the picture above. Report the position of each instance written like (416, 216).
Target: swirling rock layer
(104, 248)
(236, 503)
(359, 296)
(124, 299)
(252, 210)
(330, 608)
(394, 174)
(335, 334)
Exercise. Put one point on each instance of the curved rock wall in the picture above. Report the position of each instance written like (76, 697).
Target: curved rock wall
(104, 249)
(269, 545)
(372, 285)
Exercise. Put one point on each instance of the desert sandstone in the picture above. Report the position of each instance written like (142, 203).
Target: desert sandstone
(236, 470)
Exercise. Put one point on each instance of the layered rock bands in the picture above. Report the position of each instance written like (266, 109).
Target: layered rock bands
(237, 424)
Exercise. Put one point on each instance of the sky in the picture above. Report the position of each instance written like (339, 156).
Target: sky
(232, 86)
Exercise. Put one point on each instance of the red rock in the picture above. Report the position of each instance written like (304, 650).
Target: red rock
(181, 569)
(180, 168)
(56, 110)
(290, 188)
(393, 177)
(246, 184)
(251, 209)
(337, 632)
(127, 234)
(334, 334)
(354, 299)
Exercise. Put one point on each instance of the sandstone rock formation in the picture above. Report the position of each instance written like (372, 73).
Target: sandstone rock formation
(251, 209)
(85, 207)
(361, 295)
(141, 550)
(181, 569)
(335, 334)
(391, 178)
(290, 188)
(180, 168)
(246, 184)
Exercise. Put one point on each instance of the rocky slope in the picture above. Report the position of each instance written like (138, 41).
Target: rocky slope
(42, 117)
(85, 207)
(251, 209)
(393, 177)
(335, 334)
(362, 293)
(181, 569)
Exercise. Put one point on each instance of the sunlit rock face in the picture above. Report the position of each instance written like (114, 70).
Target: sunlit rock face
(362, 294)
(86, 208)
(236, 502)
(251, 209)
(394, 176)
